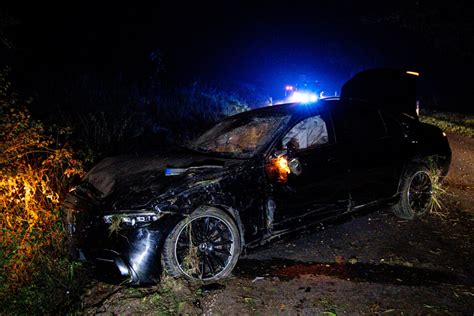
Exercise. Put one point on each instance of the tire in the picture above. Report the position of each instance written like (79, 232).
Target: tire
(205, 246)
(416, 193)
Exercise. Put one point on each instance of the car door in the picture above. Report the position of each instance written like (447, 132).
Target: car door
(372, 155)
(320, 188)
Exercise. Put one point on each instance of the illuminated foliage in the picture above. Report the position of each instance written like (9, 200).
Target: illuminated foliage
(34, 175)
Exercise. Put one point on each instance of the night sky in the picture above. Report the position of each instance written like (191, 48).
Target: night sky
(268, 45)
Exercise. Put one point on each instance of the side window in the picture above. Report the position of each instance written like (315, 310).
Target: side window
(310, 132)
(357, 124)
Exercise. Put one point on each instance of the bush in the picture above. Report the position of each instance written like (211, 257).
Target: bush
(101, 134)
(34, 174)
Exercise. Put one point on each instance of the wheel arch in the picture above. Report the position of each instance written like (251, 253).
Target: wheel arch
(235, 215)
(218, 199)
(428, 160)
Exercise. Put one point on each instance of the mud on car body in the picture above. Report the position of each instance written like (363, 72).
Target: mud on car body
(254, 176)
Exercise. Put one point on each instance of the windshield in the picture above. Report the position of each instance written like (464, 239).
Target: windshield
(240, 136)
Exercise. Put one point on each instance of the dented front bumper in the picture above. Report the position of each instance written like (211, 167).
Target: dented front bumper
(124, 255)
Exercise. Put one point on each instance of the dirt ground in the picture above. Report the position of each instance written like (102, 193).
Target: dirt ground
(372, 264)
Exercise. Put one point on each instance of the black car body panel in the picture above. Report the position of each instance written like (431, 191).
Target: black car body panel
(392, 89)
(359, 164)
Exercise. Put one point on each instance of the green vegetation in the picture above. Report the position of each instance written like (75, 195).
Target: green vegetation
(55, 286)
(35, 173)
(450, 122)
(331, 307)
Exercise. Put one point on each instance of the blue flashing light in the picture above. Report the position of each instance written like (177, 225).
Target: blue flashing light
(303, 97)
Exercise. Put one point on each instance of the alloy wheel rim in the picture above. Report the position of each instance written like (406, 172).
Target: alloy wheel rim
(420, 192)
(204, 247)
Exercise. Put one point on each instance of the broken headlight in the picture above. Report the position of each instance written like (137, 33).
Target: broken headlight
(132, 219)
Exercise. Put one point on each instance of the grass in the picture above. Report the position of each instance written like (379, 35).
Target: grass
(450, 122)
(438, 191)
(330, 307)
(56, 287)
(172, 297)
(114, 227)
(191, 259)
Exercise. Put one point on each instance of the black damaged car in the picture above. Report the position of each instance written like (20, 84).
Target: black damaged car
(255, 176)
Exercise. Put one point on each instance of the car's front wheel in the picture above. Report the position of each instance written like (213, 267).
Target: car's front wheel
(204, 246)
(416, 196)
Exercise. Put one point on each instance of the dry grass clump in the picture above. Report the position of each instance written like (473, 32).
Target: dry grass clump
(191, 259)
(439, 194)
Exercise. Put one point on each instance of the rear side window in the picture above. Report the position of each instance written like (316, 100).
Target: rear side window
(355, 123)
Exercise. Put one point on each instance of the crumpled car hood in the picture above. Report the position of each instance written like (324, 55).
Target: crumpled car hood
(131, 182)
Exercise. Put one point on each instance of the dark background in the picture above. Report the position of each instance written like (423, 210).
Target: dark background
(268, 45)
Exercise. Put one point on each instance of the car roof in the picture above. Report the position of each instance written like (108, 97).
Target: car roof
(290, 108)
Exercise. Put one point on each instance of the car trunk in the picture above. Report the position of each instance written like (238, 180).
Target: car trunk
(391, 90)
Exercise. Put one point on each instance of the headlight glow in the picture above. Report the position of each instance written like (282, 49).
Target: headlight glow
(132, 219)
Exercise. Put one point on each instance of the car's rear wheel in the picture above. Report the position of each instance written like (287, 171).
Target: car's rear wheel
(416, 193)
(205, 246)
